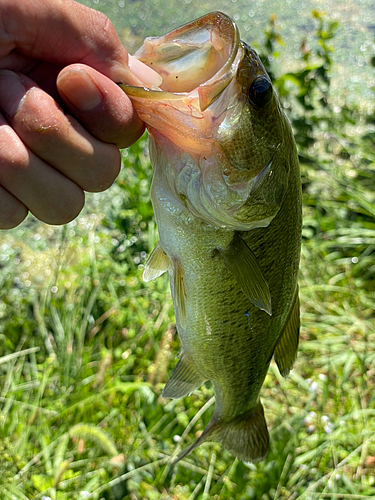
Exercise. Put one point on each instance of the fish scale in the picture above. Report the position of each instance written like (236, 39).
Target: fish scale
(227, 199)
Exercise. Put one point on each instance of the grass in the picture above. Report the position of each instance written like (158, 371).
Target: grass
(86, 347)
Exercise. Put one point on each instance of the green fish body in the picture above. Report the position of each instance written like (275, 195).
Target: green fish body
(227, 198)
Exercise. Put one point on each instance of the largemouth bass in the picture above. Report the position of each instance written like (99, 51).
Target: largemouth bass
(227, 199)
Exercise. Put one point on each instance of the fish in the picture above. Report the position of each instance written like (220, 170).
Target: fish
(226, 194)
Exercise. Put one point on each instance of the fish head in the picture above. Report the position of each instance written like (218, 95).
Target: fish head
(216, 126)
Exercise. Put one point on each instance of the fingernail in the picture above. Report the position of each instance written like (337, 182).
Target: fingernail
(12, 92)
(79, 89)
(147, 75)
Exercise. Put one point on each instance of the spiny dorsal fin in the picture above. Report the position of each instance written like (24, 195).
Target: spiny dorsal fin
(286, 349)
(157, 263)
(245, 436)
(244, 265)
(184, 380)
(180, 294)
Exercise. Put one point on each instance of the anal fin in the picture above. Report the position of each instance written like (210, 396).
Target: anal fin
(249, 276)
(157, 263)
(286, 349)
(244, 436)
(184, 380)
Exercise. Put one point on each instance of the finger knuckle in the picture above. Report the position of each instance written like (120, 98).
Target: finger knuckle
(39, 120)
(107, 28)
(13, 153)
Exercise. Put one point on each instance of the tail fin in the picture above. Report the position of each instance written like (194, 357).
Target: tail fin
(245, 436)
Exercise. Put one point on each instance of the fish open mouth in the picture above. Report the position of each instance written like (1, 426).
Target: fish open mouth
(212, 149)
(197, 57)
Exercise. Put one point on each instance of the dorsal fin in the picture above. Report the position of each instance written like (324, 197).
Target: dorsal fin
(157, 263)
(244, 265)
(286, 349)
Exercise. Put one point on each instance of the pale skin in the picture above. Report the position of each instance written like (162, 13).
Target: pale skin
(63, 117)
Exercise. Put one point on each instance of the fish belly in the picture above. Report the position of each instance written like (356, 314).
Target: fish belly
(225, 336)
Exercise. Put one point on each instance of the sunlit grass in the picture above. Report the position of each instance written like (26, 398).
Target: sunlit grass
(87, 347)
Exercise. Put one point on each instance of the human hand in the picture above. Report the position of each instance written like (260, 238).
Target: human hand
(48, 158)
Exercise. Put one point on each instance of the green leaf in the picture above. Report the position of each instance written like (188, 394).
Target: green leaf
(41, 483)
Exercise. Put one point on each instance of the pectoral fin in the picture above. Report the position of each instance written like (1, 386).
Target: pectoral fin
(244, 265)
(286, 349)
(157, 263)
(184, 380)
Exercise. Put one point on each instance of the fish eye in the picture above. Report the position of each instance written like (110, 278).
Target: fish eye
(260, 92)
